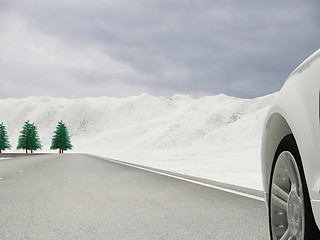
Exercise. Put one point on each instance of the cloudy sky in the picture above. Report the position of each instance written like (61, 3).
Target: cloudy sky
(82, 48)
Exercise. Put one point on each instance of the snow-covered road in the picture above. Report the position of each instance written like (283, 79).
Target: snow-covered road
(75, 196)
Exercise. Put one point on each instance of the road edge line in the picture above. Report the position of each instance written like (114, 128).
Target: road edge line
(185, 179)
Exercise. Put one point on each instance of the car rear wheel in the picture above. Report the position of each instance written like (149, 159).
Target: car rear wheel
(290, 214)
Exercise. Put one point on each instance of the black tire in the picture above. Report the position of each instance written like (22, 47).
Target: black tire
(289, 144)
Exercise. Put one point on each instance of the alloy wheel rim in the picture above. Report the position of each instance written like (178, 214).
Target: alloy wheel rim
(287, 202)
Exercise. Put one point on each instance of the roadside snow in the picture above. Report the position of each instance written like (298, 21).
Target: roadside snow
(214, 137)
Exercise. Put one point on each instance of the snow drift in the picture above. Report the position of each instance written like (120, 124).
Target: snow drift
(215, 137)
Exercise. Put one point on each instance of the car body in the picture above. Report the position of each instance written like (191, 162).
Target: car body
(294, 119)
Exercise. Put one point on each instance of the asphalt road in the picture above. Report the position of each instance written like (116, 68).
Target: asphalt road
(74, 196)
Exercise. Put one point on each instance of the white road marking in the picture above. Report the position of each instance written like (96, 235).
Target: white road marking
(1, 178)
(20, 171)
(193, 181)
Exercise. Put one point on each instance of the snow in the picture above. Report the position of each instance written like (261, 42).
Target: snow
(214, 137)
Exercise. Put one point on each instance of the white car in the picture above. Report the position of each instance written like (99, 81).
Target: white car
(290, 155)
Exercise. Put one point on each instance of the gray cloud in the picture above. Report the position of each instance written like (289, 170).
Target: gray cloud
(120, 48)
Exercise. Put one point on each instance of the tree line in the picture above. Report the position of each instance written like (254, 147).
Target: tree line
(30, 141)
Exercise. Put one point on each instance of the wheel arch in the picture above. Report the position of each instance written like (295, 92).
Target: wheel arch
(276, 128)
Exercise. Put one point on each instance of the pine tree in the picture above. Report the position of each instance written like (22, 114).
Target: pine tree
(29, 139)
(34, 138)
(61, 139)
(4, 140)
(23, 141)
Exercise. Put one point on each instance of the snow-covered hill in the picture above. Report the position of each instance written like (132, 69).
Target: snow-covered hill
(216, 137)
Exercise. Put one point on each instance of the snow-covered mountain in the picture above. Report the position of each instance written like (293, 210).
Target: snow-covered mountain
(179, 131)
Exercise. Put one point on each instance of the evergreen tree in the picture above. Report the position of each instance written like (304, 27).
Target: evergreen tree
(4, 140)
(23, 141)
(61, 139)
(34, 138)
(29, 139)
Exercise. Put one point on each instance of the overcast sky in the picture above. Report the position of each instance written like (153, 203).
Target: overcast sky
(78, 48)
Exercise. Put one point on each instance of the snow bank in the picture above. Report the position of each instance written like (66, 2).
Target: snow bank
(215, 137)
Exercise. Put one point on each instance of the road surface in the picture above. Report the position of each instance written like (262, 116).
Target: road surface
(77, 196)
